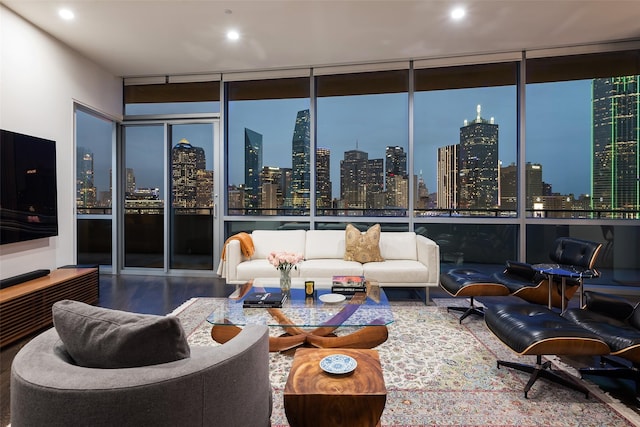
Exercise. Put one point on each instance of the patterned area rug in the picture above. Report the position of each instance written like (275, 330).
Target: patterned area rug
(441, 373)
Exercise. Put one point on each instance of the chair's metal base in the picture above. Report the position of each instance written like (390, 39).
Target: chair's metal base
(617, 370)
(467, 311)
(543, 370)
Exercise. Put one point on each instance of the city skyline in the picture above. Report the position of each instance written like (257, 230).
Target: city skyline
(550, 114)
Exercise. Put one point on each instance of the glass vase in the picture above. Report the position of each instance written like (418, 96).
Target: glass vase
(285, 281)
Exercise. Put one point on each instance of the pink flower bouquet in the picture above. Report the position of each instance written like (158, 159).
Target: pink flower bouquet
(284, 260)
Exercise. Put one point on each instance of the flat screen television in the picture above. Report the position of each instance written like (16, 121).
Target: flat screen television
(28, 192)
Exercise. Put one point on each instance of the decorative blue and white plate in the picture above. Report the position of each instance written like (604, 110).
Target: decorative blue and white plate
(338, 364)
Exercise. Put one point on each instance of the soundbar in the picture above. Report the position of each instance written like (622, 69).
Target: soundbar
(20, 278)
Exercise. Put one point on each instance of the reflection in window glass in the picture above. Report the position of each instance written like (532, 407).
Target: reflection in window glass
(94, 141)
(144, 196)
(192, 196)
(268, 148)
(362, 148)
(465, 138)
(582, 137)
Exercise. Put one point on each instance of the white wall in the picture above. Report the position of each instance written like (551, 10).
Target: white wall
(40, 79)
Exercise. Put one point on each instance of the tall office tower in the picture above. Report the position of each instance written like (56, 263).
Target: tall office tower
(85, 188)
(235, 200)
(478, 164)
(616, 137)
(421, 192)
(130, 182)
(186, 161)
(301, 161)
(286, 175)
(375, 196)
(534, 187)
(271, 193)
(447, 177)
(395, 173)
(353, 179)
(252, 167)
(509, 187)
(204, 188)
(323, 178)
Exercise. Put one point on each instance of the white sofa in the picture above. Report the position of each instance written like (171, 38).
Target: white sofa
(410, 260)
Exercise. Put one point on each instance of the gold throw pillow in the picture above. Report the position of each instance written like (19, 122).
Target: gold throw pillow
(362, 247)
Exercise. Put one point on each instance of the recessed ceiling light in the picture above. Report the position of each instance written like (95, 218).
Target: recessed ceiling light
(233, 35)
(457, 13)
(66, 14)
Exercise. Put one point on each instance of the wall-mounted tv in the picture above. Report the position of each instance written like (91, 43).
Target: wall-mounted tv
(28, 193)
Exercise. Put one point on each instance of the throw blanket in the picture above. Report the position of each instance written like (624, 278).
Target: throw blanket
(246, 247)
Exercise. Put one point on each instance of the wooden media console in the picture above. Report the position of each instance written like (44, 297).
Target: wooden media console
(26, 307)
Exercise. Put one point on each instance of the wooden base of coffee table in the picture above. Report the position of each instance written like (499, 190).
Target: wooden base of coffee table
(313, 397)
(368, 336)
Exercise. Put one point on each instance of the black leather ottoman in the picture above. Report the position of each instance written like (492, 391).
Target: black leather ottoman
(467, 282)
(530, 329)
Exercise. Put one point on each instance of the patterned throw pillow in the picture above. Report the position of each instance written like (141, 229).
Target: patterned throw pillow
(362, 247)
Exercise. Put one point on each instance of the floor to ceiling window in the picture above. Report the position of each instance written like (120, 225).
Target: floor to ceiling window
(268, 126)
(489, 166)
(465, 158)
(192, 200)
(94, 139)
(583, 156)
(362, 144)
(145, 193)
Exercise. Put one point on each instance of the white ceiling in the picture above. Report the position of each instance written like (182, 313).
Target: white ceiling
(168, 37)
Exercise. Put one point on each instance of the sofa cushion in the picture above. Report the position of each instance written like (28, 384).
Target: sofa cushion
(254, 268)
(398, 245)
(362, 247)
(102, 338)
(267, 241)
(330, 267)
(396, 271)
(324, 244)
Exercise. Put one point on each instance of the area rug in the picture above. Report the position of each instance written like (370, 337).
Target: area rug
(441, 373)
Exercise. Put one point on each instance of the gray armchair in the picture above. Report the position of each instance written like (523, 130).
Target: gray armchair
(225, 386)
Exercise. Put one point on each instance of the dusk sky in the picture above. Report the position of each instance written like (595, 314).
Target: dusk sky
(558, 131)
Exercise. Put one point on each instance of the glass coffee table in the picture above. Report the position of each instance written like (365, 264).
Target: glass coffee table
(309, 321)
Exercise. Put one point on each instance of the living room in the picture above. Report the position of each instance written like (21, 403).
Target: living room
(48, 83)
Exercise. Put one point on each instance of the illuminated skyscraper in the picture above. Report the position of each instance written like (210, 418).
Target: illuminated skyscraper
(396, 178)
(271, 191)
(186, 162)
(353, 179)
(616, 136)
(85, 188)
(447, 175)
(252, 168)
(323, 178)
(301, 160)
(478, 165)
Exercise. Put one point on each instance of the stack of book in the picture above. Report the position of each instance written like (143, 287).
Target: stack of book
(264, 300)
(348, 285)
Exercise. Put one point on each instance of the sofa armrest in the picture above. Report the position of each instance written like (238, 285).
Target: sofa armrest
(233, 258)
(429, 255)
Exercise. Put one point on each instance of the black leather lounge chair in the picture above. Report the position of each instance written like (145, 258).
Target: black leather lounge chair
(531, 329)
(524, 280)
(616, 322)
(527, 282)
(465, 282)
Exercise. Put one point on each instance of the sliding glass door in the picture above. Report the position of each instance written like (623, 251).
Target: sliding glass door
(168, 181)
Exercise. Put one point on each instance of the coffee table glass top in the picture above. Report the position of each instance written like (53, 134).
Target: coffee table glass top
(361, 310)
